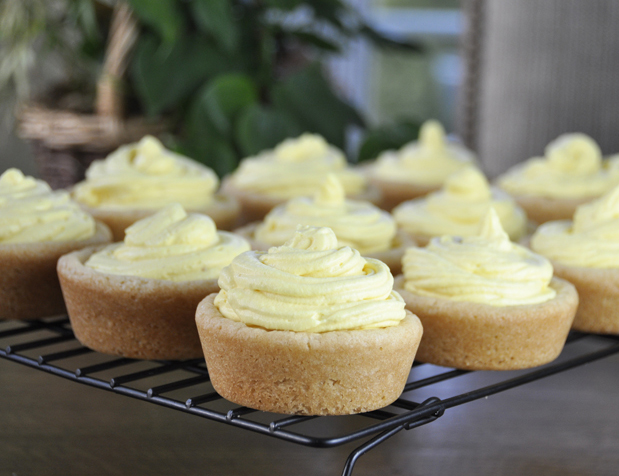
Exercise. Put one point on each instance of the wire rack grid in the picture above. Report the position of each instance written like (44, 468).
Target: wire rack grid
(50, 346)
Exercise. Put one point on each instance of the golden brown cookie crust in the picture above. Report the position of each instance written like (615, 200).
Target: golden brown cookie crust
(305, 373)
(598, 291)
(393, 193)
(131, 316)
(224, 211)
(391, 257)
(542, 209)
(255, 206)
(477, 336)
(421, 240)
(29, 287)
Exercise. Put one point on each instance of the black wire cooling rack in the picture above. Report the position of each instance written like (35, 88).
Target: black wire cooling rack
(49, 345)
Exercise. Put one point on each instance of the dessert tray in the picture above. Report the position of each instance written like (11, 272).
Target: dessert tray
(50, 346)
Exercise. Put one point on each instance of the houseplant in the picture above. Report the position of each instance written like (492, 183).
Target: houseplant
(82, 117)
(226, 78)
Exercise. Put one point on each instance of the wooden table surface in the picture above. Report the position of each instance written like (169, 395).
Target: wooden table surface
(564, 425)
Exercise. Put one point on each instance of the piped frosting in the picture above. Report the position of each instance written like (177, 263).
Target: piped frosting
(171, 245)
(591, 240)
(309, 285)
(356, 223)
(459, 208)
(428, 162)
(572, 168)
(31, 212)
(146, 175)
(295, 168)
(487, 268)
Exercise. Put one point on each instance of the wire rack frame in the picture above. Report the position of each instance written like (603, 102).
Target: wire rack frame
(21, 342)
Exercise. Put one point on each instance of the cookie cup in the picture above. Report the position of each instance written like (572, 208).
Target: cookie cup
(598, 292)
(391, 257)
(224, 211)
(255, 206)
(131, 316)
(29, 287)
(305, 373)
(393, 192)
(478, 336)
(421, 240)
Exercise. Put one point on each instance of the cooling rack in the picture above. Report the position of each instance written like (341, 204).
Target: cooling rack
(50, 346)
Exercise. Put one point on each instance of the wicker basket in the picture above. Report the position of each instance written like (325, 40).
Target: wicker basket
(66, 142)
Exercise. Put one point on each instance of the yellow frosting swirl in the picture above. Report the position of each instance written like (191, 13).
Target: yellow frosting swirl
(591, 240)
(296, 168)
(487, 269)
(572, 168)
(31, 212)
(357, 224)
(426, 162)
(459, 208)
(170, 245)
(145, 175)
(309, 285)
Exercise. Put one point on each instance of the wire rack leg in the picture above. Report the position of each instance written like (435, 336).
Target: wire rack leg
(378, 439)
(367, 446)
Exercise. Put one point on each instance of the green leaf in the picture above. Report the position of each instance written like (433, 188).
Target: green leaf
(163, 80)
(286, 5)
(202, 142)
(223, 98)
(224, 159)
(212, 151)
(260, 128)
(82, 13)
(164, 16)
(386, 41)
(332, 11)
(313, 39)
(208, 132)
(308, 97)
(217, 18)
(387, 137)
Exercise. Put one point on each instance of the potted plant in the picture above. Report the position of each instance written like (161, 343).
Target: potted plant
(223, 78)
(82, 117)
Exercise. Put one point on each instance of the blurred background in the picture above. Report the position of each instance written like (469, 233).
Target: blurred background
(220, 80)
